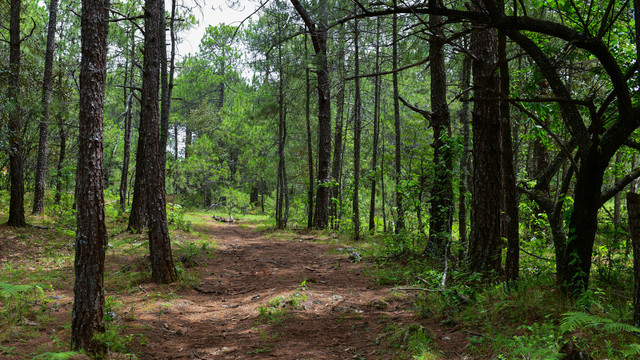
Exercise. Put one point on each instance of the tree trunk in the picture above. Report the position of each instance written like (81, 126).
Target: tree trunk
(281, 218)
(138, 216)
(319, 40)
(128, 120)
(16, 203)
(162, 267)
(442, 189)
(510, 192)
(338, 136)
(41, 167)
(376, 133)
(633, 206)
(91, 234)
(62, 155)
(309, 142)
(485, 243)
(464, 159)
(583, 222)
(396, 115)
(357, 124)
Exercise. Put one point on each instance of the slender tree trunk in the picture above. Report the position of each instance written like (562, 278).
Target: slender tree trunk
(338, 136)
(442, 189)
(281, 218)
(91, 234)
(464, 159)
(16, 203)
(61, 157)
(485, 243)
(396, 115)
(510, 192)
(319, 40)
(357, 131)
(41, 166)
(128, 120)
(376, 133)
(309, 141)
(162, 267)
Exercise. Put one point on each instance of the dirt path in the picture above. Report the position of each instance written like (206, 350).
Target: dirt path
(338, 314)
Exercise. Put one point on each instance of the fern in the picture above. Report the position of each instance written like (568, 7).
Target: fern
(631, 350)
(56, 356)
(11, 290)
(575, 319)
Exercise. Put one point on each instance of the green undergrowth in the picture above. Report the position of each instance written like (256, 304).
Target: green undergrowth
(529, 319)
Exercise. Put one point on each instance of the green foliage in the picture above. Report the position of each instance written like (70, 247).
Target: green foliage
(56, 356)
(21, 303)
(574, 320)
(176, 218)
(113, 338)
(413, 341)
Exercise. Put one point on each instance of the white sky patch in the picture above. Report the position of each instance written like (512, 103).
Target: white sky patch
(212, 12)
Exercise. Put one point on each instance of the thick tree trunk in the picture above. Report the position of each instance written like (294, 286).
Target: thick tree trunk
(16, 203)
(396, 115)
(138, 216)
(357, 132)
(91, 234)
(583, 222)
(162, 267)
(633, 206)
(319, 40)
(41, 166)
(442, 189)
(485, 242)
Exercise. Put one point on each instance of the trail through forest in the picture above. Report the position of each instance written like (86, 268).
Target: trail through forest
(329, 310)
(244, 294)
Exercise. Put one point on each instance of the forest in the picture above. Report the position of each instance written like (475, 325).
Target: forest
(388, 179)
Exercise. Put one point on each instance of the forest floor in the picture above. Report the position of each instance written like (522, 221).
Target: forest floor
(243, 294)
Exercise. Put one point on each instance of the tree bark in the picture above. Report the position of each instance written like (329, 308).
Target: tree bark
(16, 202)
(91, 234)
(396, 115)
(338, 136)
(319, 40)
(442, 189)
(128, 119)
(309, 141)
(41, 166)
(633, 206)
(281, 207)
(485, 243)
(376, 133)
(510, 192)
(162, 267)
(357, 132)
(464, 159)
